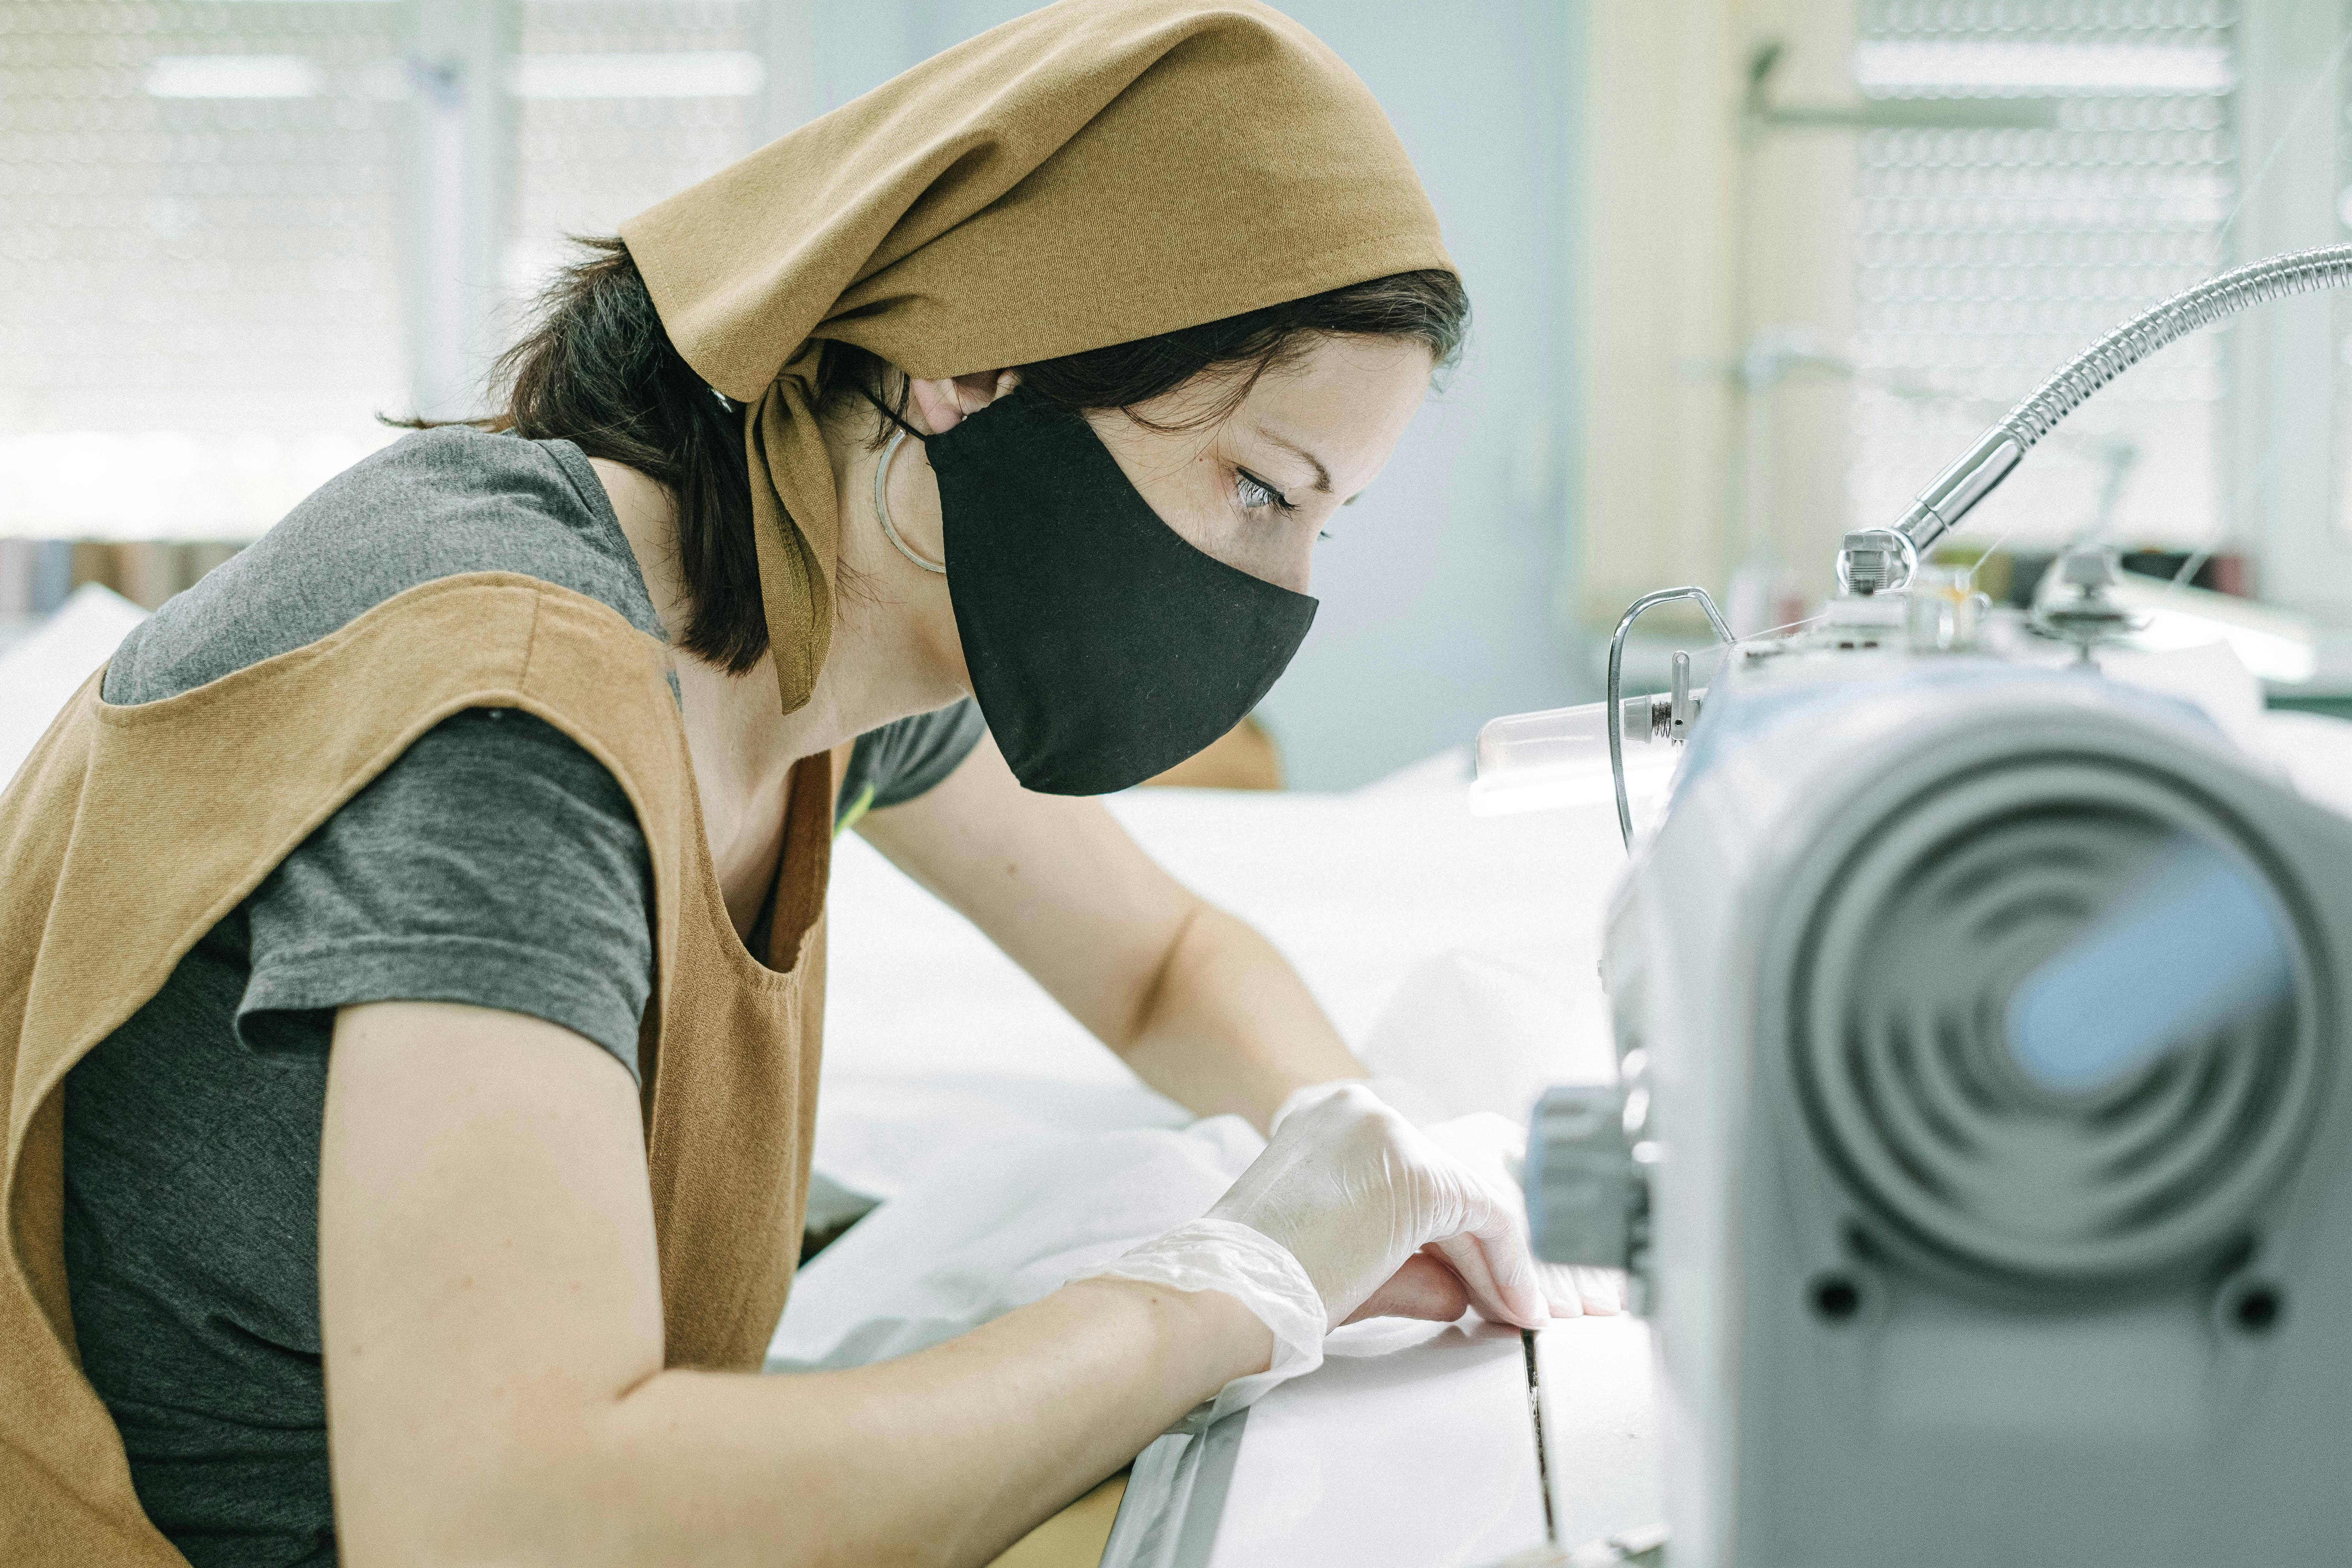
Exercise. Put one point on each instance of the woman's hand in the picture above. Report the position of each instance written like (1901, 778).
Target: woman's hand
(1355, 1192)
(1350, 1212)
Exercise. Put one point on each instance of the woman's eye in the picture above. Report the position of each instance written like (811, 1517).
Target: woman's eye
(1255, 494)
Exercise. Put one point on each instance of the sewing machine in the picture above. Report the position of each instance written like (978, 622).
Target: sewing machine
(1979, 1148)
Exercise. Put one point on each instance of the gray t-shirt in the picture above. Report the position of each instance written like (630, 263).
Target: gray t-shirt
(494, 863)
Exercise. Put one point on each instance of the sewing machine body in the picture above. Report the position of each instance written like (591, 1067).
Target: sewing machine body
(1852, 1375)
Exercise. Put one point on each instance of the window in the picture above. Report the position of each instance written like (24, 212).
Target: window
(621, 103)
(1988, 257)
(202, 313)
(230, 220)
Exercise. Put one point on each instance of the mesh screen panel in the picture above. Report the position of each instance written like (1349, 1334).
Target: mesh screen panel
(202, 310)
(1987, 259)
(205, 203)
(624, 102)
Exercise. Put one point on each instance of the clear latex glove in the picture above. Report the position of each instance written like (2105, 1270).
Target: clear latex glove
(1352, 1190)
(1346, 1192)
(1496, 1148)
(1222, 1255)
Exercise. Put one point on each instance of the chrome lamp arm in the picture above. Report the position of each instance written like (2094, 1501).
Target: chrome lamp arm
(1956, 492)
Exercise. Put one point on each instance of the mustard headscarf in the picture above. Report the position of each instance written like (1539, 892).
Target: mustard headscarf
(1091, 173)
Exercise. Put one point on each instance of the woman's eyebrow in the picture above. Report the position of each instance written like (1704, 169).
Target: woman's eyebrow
(1322, 474)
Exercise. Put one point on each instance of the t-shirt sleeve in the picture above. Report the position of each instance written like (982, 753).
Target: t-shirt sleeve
(495, 863)
(903, 760)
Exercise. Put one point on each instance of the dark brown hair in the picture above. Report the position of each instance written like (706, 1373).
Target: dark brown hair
(595, 367)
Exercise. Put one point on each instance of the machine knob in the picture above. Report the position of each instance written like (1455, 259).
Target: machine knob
(1584, 1194)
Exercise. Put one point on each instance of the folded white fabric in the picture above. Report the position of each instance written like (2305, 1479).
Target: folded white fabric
(995, 1227)
(1226, 1255)
(40, 674)
(1475, 1031)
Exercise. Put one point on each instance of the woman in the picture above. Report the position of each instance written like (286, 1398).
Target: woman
(414, 969)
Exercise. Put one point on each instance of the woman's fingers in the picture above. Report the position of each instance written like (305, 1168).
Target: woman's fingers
(1428, 1288)
(1424, 1287)
(1602, 1290)
(1491, 1254)
(1576, 1292)
(1562, 1288)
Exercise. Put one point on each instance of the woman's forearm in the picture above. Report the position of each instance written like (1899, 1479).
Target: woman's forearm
(1200, 1004)
(1228, 1024)
(493, 1340)
(943, 1457)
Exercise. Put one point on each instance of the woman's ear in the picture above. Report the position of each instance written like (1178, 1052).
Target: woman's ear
(941, 406)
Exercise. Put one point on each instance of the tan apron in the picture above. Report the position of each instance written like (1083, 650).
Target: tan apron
(131, 831)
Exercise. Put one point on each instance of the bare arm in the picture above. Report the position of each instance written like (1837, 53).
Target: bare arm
(493, 1338)
(1199, 1003)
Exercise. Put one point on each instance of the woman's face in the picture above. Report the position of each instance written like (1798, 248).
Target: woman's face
(1255, 489)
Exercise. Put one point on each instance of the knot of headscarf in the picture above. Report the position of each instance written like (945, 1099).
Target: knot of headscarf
(1091, 173)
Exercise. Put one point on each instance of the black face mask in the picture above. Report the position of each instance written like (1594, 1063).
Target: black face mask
(1104, 648)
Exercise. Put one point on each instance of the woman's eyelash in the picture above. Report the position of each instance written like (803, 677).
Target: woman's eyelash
(1255, 493)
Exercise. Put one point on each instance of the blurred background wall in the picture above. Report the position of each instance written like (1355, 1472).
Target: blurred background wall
(1747, 273)
(1828, 241)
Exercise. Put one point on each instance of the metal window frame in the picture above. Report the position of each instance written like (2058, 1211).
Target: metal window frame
(462, 167)
(459, 185)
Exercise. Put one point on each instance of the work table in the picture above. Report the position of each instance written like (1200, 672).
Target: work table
(1411, 1446)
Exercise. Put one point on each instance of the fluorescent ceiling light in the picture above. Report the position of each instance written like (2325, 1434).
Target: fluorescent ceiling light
(2004, 68)
(234, 76)
(2274, 644)
(709, 73)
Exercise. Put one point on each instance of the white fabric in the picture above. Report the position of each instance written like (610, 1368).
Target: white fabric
(2316, 754)
(39, 674)
(2311, 751)
(2208, 677)
(1222, 1255)
(1470, 1031)
(937, 1046)
(996, 1227)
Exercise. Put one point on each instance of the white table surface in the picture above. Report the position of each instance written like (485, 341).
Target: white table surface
(1601, 1425)
(1413, 1448)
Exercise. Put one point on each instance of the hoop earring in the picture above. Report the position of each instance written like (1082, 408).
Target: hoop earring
(882, 505)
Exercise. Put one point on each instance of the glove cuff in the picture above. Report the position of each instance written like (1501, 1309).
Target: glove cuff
(1254, 1270)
